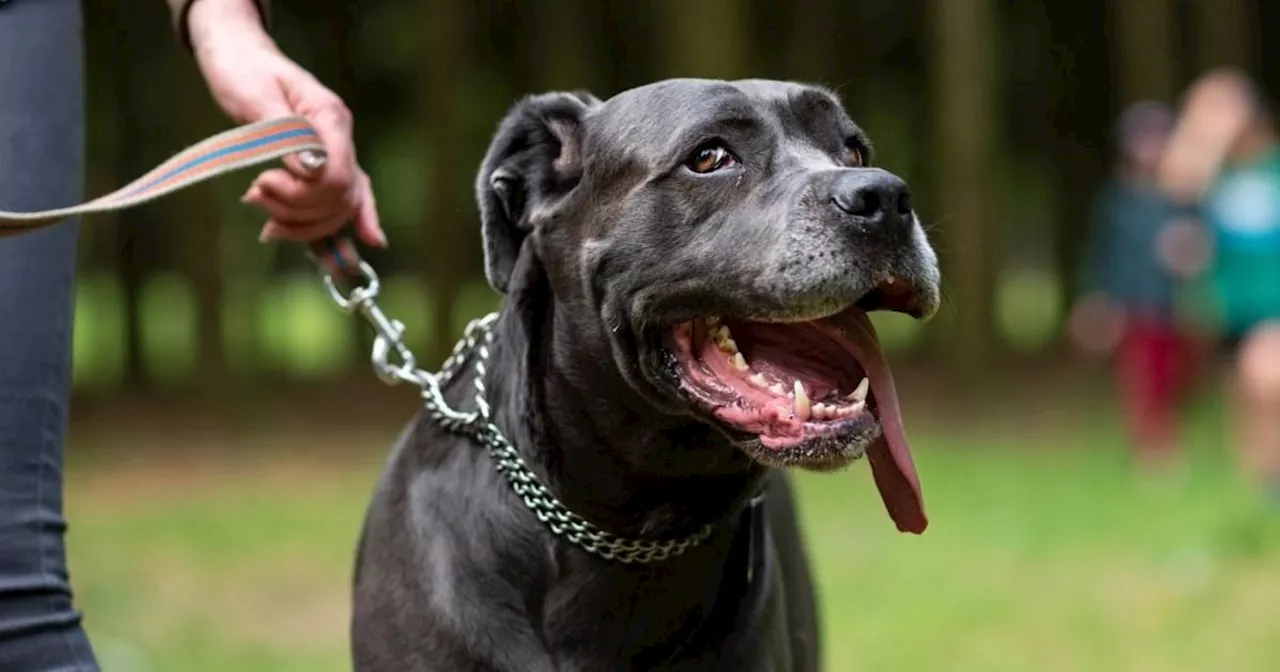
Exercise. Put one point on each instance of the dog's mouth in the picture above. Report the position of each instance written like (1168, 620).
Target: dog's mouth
(816, 394)
(785, 383)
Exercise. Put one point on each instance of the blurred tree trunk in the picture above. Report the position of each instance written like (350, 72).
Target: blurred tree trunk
(634, 52)
(1145, 41)
(182, 232)
(560, 63)
(1225, 33)
(197, 217)
(707, 38)
(444, 68)
(98, 245)
(1080, 114)
(965, 123)
(193, 219)
(132, 276)
(131, 72)
(811, 44)
(338, 26)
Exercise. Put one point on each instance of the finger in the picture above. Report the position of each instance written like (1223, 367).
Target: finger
(288, 212)
(291, 190)
(297, 232)
(367, 226)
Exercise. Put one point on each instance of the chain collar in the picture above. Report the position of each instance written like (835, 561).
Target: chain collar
(389, 347)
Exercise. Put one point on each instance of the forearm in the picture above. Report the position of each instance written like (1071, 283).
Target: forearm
(197, 20)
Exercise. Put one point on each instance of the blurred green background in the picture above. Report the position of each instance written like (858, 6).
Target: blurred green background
(226, 429)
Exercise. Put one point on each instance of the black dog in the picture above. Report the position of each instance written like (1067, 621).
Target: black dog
(686, 269)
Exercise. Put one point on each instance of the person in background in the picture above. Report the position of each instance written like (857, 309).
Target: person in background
(1230, 157)
(1128, 308)
(42, 167)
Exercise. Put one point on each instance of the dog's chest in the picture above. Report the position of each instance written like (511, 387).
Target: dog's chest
(723, 617)
(631, 639)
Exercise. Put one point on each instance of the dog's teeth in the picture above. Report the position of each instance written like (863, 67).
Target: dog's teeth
(821, 412)
(738, 362)
(778, 390)
(845, 412)
(758, 380)
(801, 402)
(889, 280)
(724, 340)
(856, 408)
(860, 393)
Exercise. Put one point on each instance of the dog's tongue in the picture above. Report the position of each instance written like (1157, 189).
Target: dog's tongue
(891, 464)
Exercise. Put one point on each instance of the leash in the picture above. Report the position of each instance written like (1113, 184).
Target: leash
(393, 362)
(226, 152)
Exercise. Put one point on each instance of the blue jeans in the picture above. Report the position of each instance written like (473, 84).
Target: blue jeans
(41, 166)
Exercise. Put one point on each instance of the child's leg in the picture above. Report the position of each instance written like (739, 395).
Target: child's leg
(1258, 404)
(1145, 362)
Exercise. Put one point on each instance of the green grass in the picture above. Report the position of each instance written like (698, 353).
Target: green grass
(1046, 552)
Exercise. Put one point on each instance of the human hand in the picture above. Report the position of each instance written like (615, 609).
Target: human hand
(252, 80)
(1095, 325)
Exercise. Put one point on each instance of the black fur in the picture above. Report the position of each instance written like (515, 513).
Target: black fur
(600, 241)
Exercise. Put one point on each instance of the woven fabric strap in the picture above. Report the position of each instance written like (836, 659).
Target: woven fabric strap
(242, 147)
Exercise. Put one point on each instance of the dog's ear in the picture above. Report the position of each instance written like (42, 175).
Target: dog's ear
(535, 158)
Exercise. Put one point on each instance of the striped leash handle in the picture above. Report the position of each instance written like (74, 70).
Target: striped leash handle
(235, 149)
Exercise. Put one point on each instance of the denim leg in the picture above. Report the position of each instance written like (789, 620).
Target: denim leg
(41, 166)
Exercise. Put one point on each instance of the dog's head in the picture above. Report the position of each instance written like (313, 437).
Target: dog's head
(724, 240)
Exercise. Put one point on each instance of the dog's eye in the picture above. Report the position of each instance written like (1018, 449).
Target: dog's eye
(709, 158)
(856, 158)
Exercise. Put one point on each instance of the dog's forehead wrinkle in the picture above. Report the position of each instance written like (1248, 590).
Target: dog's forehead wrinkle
(658, 106)
(679, 108)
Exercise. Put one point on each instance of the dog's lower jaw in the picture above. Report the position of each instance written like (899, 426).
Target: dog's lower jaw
(835, 455)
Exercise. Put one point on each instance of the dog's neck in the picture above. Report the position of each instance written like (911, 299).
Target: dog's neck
(604, 451)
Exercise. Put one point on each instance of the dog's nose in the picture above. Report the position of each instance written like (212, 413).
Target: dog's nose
(875, 195)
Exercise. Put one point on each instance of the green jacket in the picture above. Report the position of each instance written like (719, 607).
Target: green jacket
(1243, 213)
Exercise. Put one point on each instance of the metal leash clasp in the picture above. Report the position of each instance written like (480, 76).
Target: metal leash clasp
(392, 360)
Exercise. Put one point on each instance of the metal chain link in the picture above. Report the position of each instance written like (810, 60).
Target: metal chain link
(394, 363)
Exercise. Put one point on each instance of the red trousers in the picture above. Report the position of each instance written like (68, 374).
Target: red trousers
(1155, 364)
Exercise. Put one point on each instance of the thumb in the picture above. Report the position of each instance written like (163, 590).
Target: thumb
(306, 164)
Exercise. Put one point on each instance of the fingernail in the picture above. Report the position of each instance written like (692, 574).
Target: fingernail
(311, 161)
(253, 195)
(381, 237)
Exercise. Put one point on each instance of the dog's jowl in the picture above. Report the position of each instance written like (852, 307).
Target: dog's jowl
(687, 269)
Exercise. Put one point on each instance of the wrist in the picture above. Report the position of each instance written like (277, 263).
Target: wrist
(210, 23)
